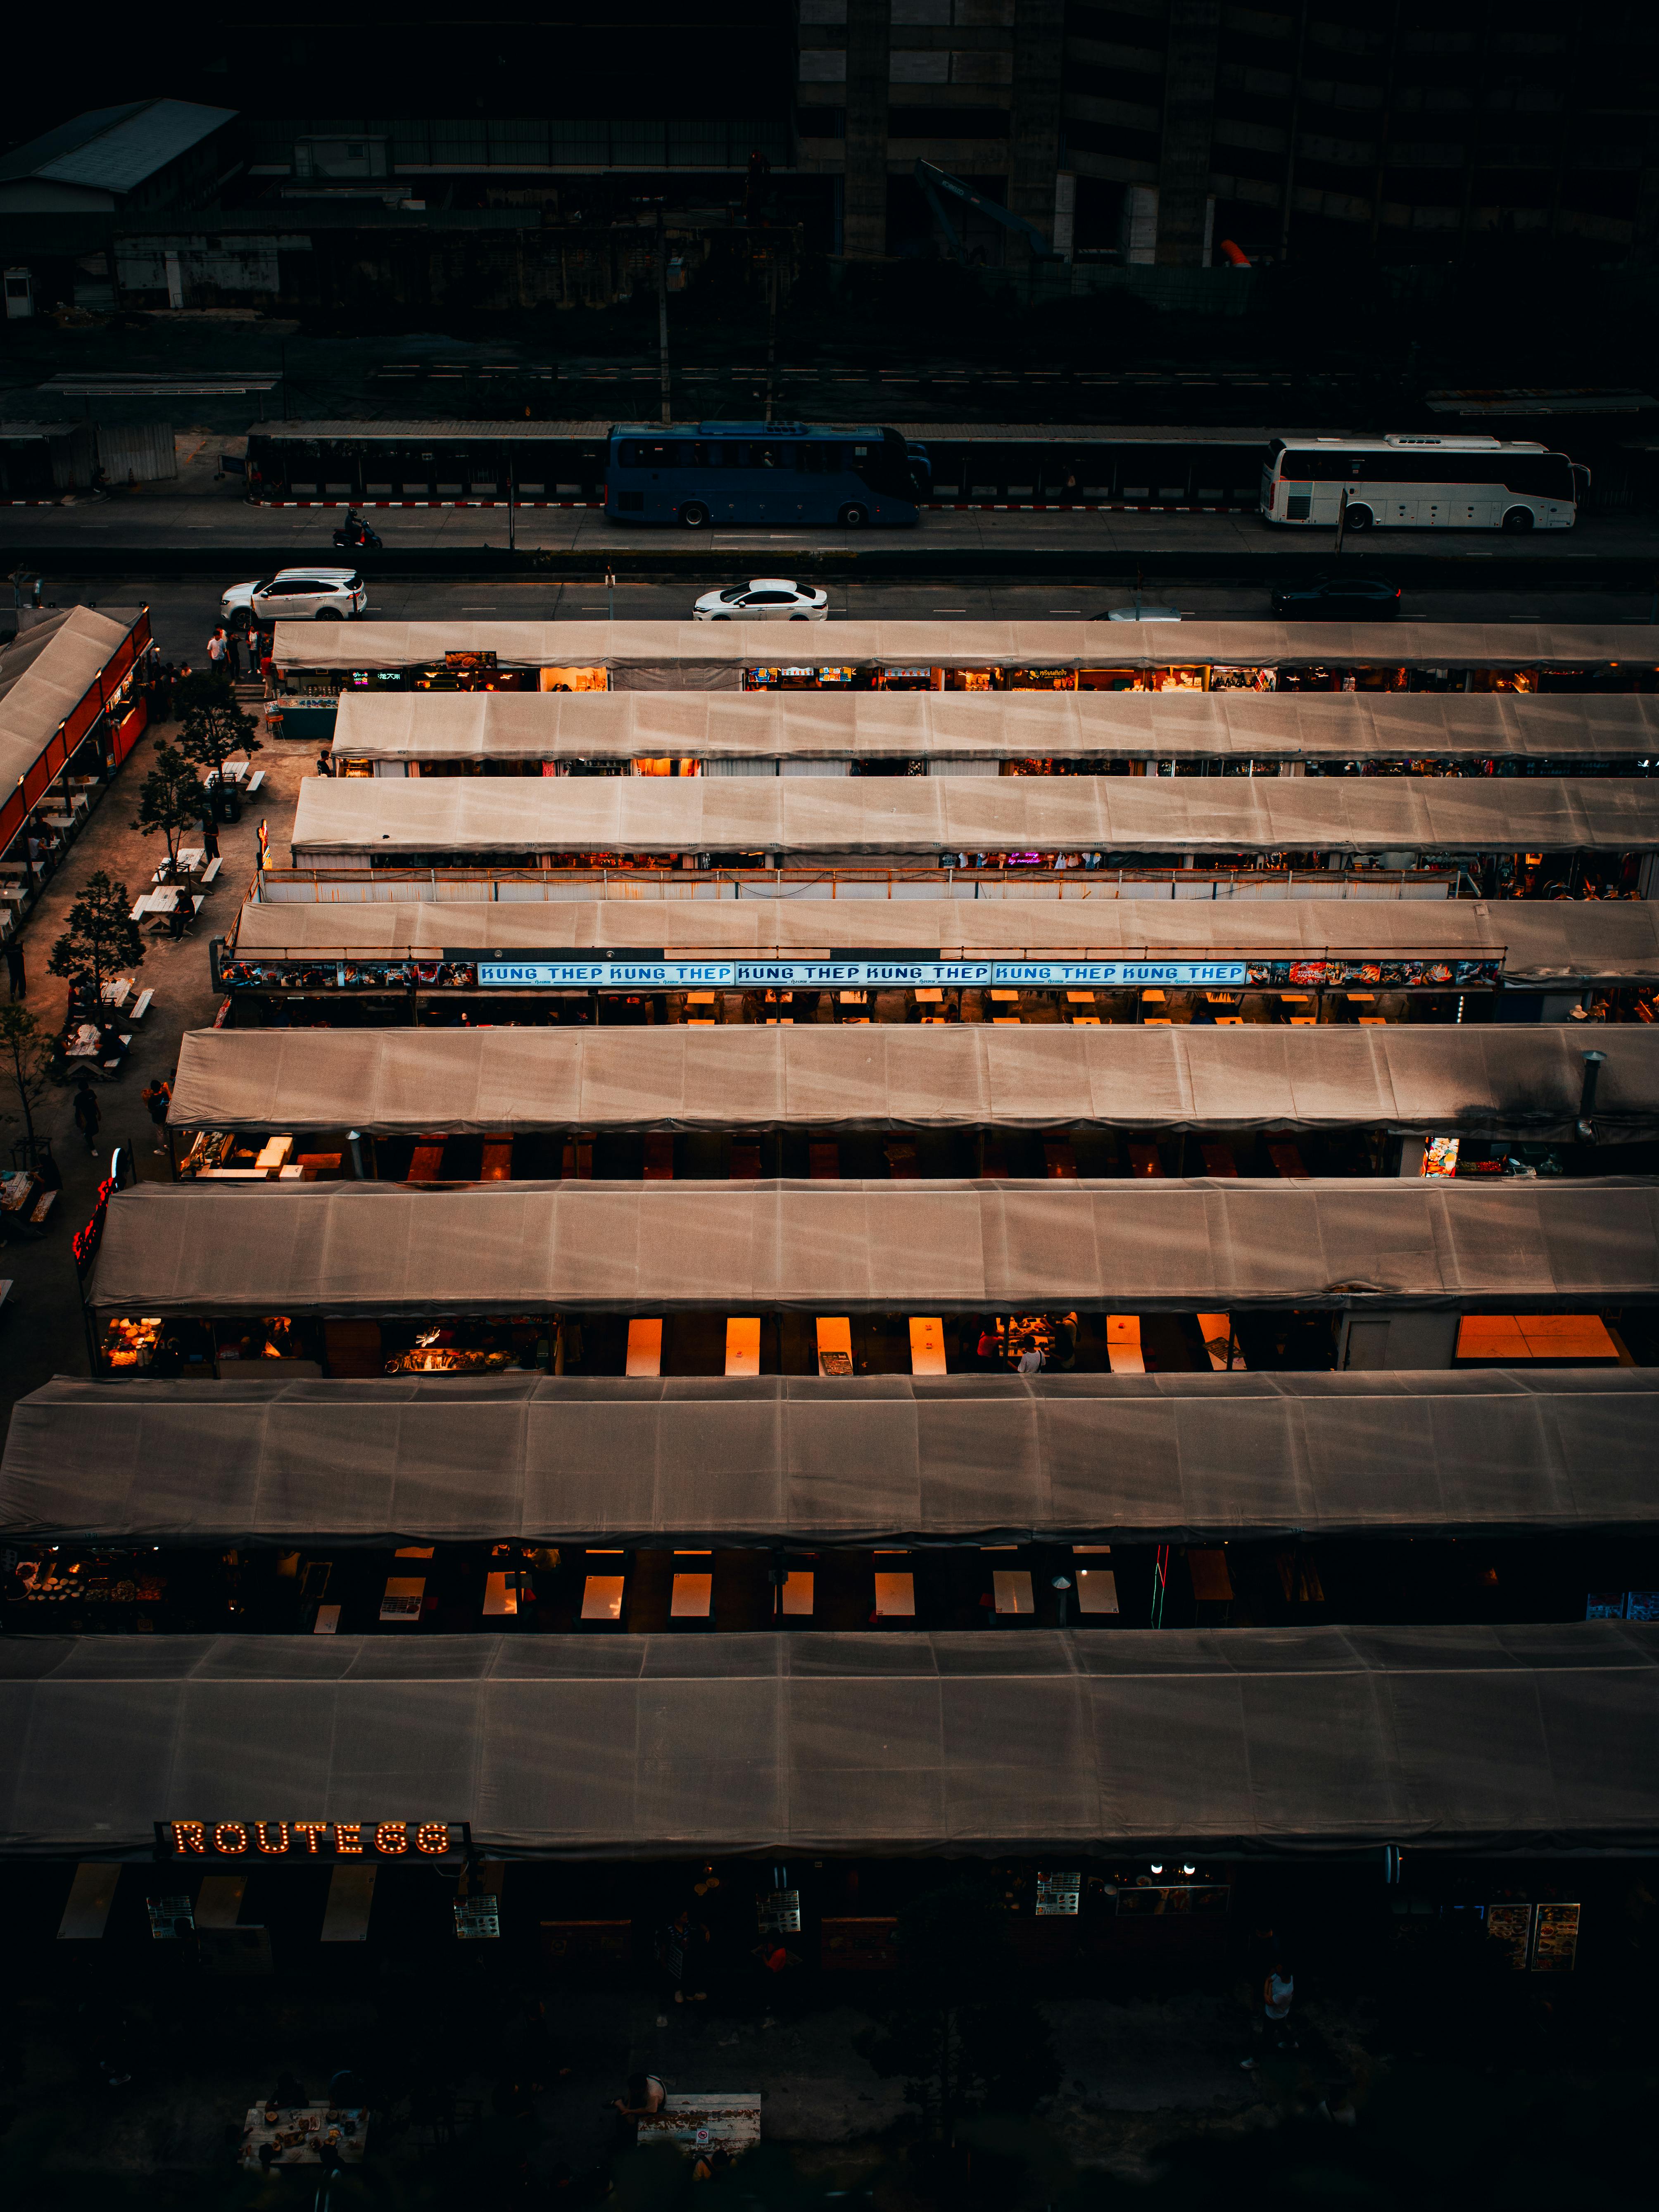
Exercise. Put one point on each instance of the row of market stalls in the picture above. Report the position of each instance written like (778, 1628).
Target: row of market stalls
(1537, 941)
(316, 664)
(315, 949)
(1511, 1080)
(957, 655)
(440, 1460)
(466, 1477)
(988, 733)
(70, 711)
(970, 824)
(1323, 1740)
(381, 1278)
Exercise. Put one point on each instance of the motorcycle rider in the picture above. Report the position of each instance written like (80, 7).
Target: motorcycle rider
(356, 530)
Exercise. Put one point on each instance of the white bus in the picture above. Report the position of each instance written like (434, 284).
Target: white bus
(1421, 482)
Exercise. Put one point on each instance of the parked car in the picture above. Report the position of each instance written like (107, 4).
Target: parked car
(764, 598)
(1142, 614)
(1359, 598)
(293, 595)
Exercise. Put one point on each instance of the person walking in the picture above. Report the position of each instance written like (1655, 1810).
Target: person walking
(16, 975)
(218, 651)
(89, 1115)
(210, 833)
(1272, 2026)
(233, 653)
(158, 1097)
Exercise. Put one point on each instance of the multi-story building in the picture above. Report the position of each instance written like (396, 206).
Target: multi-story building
(1155, 128)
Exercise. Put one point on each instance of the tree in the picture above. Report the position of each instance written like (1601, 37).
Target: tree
(215, 728)
(960, 2029)
(101, 936)
(26, 1052)
(170, 799)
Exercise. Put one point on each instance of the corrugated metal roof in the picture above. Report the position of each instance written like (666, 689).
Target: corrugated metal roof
(1539, 940)
(520, 431)
(115, 149)
(1059, 434)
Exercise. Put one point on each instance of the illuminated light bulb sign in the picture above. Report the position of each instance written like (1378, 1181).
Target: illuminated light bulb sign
(234, 1840)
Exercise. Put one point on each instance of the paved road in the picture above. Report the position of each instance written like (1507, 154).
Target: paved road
(183, 611)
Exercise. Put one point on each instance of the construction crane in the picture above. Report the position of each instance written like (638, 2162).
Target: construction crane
(935, 181)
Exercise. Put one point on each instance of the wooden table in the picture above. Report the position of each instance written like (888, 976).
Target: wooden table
(727, 2119)
(87, 1045)
(354, 2135)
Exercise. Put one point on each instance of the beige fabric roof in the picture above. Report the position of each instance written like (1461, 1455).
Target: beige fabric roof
(1543, 1738)
(396, 1248)
(1520, 1080)
(45, 673)
(1119, 1458)
(1538, 940)
(384, 817)
(966, 644)
(1238, 726)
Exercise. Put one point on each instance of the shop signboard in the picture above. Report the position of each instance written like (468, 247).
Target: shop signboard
(1509, 1927)
(459, 969)
(1555, 1939)
(1122, 975)
(779, 1912)
(1059, 1895)
(856, 974)
(242, 1842)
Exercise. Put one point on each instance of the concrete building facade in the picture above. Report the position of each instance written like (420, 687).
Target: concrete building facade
(1301, 130)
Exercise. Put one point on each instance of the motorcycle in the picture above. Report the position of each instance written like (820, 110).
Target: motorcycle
(356, 537)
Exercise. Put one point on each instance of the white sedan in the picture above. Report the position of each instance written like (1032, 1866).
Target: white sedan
(764, 598)
(294, 595)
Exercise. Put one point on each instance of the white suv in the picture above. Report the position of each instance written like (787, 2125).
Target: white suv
(293, 595)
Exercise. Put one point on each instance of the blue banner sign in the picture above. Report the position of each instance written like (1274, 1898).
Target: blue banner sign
(1121, 974)
(858, 974)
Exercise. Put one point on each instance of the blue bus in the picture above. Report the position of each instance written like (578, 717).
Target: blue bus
(762, 472)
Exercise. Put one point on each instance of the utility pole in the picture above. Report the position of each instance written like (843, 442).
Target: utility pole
(662, 310)
(771, 329)
(511, 487)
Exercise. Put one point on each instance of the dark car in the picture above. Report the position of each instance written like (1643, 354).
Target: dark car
(1359, 598)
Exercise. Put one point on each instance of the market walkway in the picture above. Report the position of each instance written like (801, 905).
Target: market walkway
(40, 1326)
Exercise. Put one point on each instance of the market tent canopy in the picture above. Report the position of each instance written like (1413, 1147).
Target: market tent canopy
(1539, 940)
(375, 818)
(1509, 1078)
(1059, 1459)
(642, 1748)
(387, 1250)
(656, 650)
(855, 726)
(46, 672)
